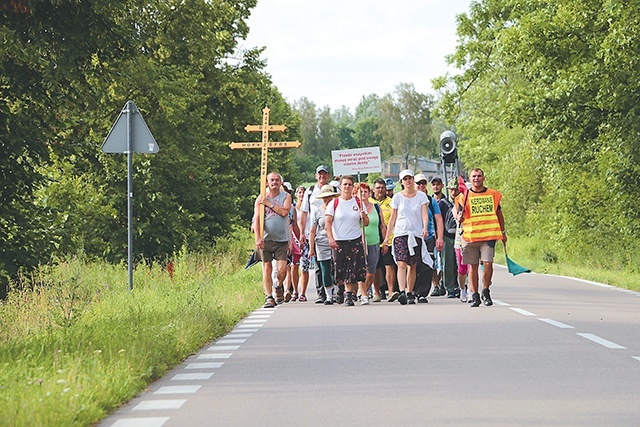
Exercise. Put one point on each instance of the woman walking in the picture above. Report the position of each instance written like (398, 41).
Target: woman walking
(373, 233)
(408, 222)
(343, 218)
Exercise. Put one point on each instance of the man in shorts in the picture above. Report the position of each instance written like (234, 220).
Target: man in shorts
(482, 226)
(274, 245)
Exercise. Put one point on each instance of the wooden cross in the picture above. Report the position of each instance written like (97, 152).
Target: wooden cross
(265, 128)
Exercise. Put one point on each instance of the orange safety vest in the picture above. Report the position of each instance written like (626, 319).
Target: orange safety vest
(480, 218)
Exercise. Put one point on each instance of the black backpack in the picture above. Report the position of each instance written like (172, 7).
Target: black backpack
(450, 223)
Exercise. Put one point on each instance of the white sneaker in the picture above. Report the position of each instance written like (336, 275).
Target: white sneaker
(364, 300)
(463, 295)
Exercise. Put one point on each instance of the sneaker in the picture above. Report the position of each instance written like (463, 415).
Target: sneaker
(411, 298)
(394, 296)
(302, 298)
(348, 300)
(486, 297)
(456, 292)
(320, 300)
(339, 298)
(451, 294)
(279, 294)
(475, 300)
(463, 295)
(376, 298)
(269, 302)
(364, 300)
(422, 300)
(402, 299)
(443, 291)
(328, 302)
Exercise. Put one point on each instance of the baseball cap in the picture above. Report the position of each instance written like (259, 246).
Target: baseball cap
(453, 183)
(436, 179)
(420, 177)
(322, 168)
(406, 172)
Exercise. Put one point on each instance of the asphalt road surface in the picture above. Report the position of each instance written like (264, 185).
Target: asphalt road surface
(552, 351)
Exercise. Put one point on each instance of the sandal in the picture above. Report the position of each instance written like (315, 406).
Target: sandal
(269, 302)
(294, 297)
(302, 298)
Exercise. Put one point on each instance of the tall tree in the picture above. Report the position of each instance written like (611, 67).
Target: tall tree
(405, 123)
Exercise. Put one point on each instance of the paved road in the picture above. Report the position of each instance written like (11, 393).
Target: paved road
(552, 351)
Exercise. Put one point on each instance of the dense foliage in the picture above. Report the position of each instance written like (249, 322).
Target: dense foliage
(548, 103)
(66, 70)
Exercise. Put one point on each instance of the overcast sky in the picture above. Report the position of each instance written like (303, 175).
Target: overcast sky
(334, 52)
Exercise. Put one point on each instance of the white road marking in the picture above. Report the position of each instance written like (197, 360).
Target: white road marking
(141, 422)
(223, 341)
(556, 323)
(191, 377)
(214, 356)
(602, 341)
(247, 327)
(178, 389)
(223, 347)
(152, 405)
(237, 335)
(208, 365)
(636, 357)
(523, 312)
(498, 302)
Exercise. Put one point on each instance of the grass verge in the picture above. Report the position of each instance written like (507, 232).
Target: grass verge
(75, 343)
(599, 267)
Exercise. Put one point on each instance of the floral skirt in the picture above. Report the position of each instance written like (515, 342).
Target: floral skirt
(349, 262)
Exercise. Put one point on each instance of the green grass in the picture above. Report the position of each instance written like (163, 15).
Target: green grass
(75, 343)
(599, 265)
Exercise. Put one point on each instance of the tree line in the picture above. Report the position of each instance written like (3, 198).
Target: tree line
(66, 70)
(546, 102)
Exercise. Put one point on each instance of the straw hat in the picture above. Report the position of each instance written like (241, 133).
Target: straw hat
(326, 191)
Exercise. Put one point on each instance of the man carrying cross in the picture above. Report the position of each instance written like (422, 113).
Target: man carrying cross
(276, 240)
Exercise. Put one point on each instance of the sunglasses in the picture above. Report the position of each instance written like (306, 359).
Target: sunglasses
(422, 183)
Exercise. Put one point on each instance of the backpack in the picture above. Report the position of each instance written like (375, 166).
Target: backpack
(450, 223)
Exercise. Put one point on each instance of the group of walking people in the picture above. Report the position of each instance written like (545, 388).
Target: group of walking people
(370, 244)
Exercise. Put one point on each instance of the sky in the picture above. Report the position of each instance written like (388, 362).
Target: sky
(334, 52)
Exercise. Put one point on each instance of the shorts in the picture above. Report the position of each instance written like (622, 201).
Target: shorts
(474, 252)
(463, 269)
(373, 256)
(274, 250)
(401, 249)
(349, 263)
(305, 263)
(387, 259)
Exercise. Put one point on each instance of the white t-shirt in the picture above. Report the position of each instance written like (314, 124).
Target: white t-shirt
(409, 218)
(346, 218)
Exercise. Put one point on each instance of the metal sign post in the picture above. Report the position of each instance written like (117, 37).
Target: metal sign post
(265, 128)
(130, 134)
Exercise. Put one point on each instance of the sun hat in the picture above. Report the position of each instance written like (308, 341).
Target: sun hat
(326, 191)
(389, 183)
(453, 183)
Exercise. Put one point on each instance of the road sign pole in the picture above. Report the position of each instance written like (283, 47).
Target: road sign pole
(129, 197)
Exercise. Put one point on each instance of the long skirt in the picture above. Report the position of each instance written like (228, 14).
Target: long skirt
(349, 262)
